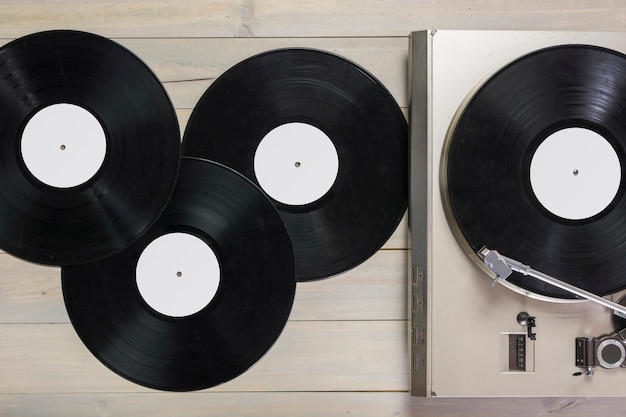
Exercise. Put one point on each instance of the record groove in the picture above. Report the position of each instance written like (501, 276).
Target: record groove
(102, 215)
(368, 198)
(485, 174)
(238, 326)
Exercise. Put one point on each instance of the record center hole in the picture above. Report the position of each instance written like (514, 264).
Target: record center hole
(179, 274)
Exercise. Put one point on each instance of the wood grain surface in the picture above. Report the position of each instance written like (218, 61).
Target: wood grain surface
(343, 351)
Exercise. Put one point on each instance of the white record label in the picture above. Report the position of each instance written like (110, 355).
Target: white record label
(296, 163)
(63, 145)
(177, 274)
(575, 173)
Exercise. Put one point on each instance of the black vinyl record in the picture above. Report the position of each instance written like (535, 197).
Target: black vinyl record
(70, 224)
(237, 326)
(368, 198)
(487, 173)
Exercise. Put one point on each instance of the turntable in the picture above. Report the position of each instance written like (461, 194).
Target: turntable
(518, 150)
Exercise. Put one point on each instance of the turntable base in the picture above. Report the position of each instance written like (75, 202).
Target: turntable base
(464, 333)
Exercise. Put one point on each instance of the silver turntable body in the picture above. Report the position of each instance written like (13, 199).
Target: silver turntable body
(467, 338)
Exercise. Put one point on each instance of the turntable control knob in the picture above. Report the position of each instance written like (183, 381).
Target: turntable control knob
(527, 320)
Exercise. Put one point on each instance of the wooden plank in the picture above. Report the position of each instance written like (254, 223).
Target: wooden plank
(304, 404)
(319, 18)
(183, 118)
(374, 290)
(308, 356)
(400, 237)
(206, 404)
(301, 404)
(30, 293)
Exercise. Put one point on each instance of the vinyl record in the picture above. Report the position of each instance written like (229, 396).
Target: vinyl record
(89, 147)
(533, 168)
(323, 138)
(168, 319)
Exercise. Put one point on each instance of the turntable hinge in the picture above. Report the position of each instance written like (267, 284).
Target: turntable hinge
(419, 331)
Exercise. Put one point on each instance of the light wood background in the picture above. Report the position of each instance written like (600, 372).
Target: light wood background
(343, 351)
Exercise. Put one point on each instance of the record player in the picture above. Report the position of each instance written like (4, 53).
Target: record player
(487, 111)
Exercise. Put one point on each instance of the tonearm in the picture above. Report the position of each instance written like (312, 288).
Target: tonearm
(503, 267)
